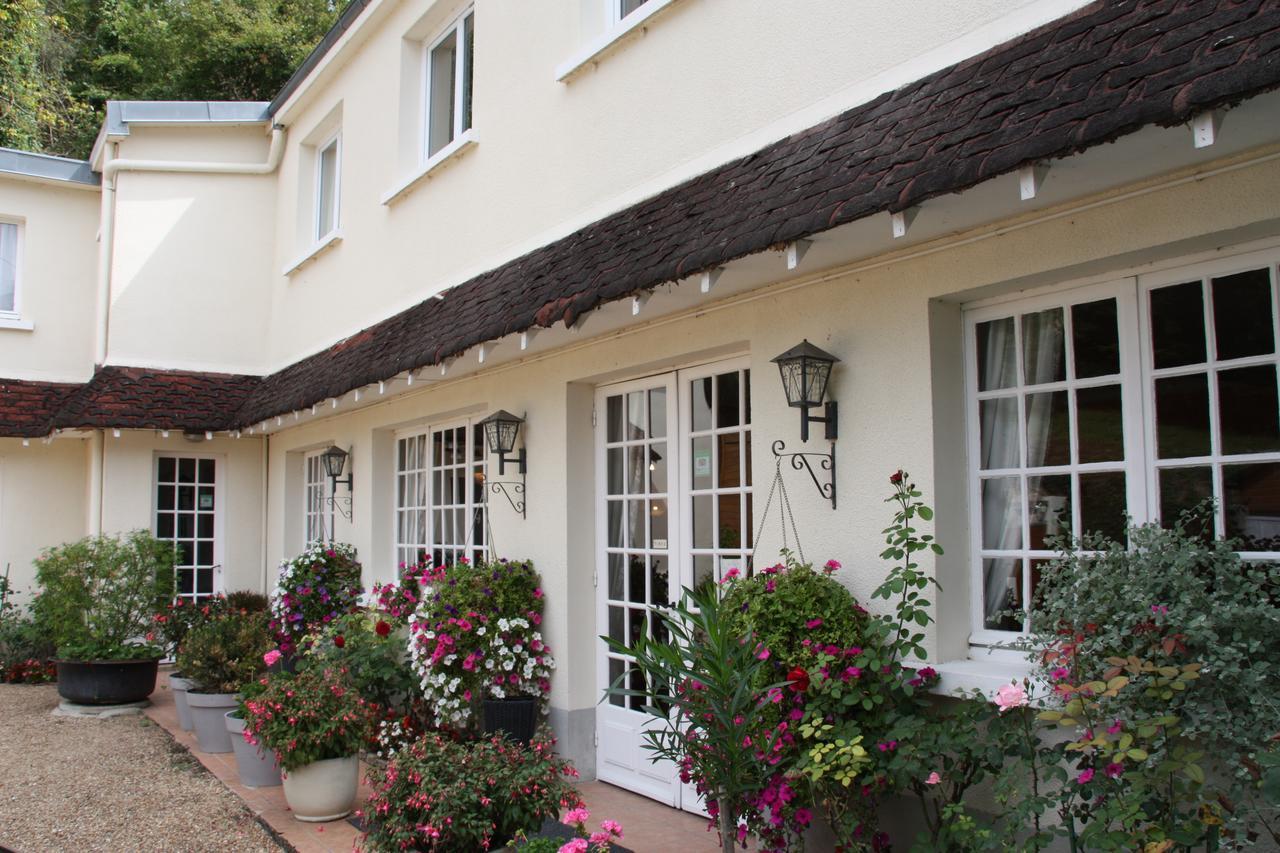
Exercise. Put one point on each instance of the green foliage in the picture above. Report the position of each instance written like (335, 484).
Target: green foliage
(376, 659)
(704, 678)
(439, 794)
(24, 649)
(225, 652)
(96, 597)
(247, 600)
(308, 716)
(1171, 599)
(61, 60)
(181, 615)
(905, 583)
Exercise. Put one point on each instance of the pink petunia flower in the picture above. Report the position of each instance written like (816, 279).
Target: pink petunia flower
(729, 575)
(813, 623)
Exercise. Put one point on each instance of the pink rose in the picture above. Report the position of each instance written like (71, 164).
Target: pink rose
(934, 779)
(271, 657)
(1085, 777)
(1011, 696)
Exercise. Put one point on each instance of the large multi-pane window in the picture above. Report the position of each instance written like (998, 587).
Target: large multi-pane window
(319, 509)
(8, 269)
(186, 515)
(448, 84)
(440, 497)
(1144, 396)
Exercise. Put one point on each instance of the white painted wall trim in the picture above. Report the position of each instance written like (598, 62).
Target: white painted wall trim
(596, 48)
(325, 243)
(461, 144)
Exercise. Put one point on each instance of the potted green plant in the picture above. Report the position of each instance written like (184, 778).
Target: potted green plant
(258, 766)
(172, 626)
(316, 724)
(220, 656)
(95, 600)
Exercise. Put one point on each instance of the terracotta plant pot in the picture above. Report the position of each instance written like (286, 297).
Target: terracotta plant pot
(258, 766)
(106, 682)
(209, 714)
(179, 686)
(323, 790)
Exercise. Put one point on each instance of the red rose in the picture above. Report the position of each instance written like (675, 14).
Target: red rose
(382, 628)
(339, 641)
(896, 477)
(799, 679)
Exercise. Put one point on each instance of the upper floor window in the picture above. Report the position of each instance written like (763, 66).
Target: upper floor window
(8, 269)
(1143, 397)
(328, 186)
(619, 9)
(449, 64)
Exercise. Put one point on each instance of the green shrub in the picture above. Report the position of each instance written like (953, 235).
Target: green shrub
(248, 600)
(181, 615)
(1172, 598)
(96, 597)
(223, 653)
(442, 795)
(24, 649)
(374, 654)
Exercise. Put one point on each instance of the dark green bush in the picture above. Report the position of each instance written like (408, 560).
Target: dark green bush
(224, 653)
(97, 596)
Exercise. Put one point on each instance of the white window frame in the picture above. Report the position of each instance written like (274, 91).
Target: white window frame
(458, 133)
(613, 8)
(219, 515)
(1137, 378)
(318, 499)
(427, 470)
(14, 317)
(334, 142)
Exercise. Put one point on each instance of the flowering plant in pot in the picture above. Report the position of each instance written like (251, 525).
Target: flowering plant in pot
(171, 626)
(219, 656)
(314, 588)
(94, 602)
(316, 723)
(442, 794)
(258, 766)
(475, 639)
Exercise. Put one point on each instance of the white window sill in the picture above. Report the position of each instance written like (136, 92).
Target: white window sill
(593, 50)
(465, 142)
(980, 672)
(17, 324)
(322, 245)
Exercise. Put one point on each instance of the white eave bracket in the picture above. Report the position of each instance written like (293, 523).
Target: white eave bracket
(1205, 128)
(902, 221)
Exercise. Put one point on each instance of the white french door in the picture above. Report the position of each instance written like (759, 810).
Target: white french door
(673, 511)
(188, 514)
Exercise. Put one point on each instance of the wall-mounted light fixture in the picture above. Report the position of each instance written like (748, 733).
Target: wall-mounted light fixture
(500, 432)
(805, 370)
(335, 459)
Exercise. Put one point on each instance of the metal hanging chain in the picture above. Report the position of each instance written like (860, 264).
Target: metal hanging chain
(784, 515)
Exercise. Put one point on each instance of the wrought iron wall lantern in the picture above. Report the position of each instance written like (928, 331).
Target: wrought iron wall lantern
(500, 432)
(805, 370)
(335, 459)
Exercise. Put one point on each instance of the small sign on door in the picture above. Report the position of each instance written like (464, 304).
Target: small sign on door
(206, 501)
(702, 463)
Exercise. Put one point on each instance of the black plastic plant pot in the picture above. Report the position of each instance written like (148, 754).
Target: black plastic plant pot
(516, 716)
(106, 682)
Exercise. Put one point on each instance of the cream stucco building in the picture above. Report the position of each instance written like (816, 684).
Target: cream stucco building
(1041, 236)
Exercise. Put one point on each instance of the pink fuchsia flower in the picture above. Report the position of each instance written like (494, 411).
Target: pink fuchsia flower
(271, 657)
(1060, 673)
(729, 575)
(1086, 776)
(933, 779)
(612, 827)
(1011, 696)
(579, 815)
(831, 566)
(577, 845)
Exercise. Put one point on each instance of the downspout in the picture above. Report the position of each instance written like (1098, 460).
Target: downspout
(111, 168)
(266, 494)
(97, 464)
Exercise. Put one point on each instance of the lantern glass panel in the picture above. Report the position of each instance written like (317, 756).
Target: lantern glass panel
(792, 372)
(335, 459)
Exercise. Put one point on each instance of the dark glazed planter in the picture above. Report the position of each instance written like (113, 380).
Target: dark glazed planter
(517, 716)
(106, 682)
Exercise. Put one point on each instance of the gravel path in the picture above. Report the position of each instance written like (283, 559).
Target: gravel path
(117, 784)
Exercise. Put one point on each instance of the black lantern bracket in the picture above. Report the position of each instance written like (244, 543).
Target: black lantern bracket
(335, 459)
(501, 429)
(826, 462)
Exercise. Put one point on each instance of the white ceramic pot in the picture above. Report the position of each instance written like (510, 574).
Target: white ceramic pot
(180, 686)
(323, 790)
